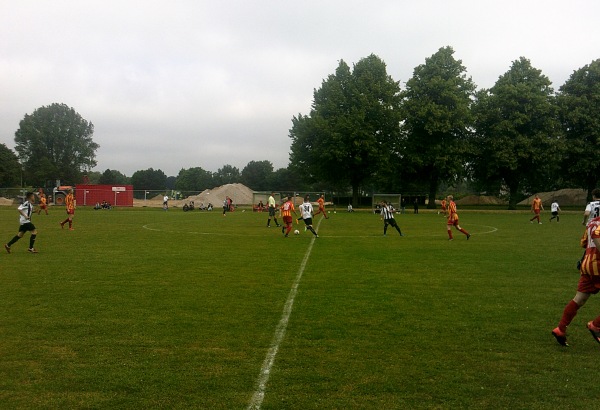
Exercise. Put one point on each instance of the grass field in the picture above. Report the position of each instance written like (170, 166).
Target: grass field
(141, 308)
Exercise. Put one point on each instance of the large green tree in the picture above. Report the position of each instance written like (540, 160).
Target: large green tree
(436, 108)
(151, 180)
(227, 174)
(10, 169)
(55, 142)
(517, 133)
(351, 129)
(194, 180)
(113, 177)
(579, 102)
(257, 175)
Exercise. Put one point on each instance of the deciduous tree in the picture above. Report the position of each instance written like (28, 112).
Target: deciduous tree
(437, 116)
(517, 130)
(55, 142)
(351, 129)
(579, 102)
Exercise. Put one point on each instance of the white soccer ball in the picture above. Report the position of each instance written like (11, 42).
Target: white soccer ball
(296, 232)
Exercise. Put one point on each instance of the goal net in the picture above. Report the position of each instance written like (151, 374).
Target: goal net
(395, 200)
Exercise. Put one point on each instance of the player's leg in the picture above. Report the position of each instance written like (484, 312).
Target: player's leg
(395, 225)
(385, 225)
(449, 228)
(32, 240)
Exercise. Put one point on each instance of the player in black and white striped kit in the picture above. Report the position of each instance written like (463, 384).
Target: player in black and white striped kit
(387, 215)
(25, 211)
(592, 210)
(306, 210)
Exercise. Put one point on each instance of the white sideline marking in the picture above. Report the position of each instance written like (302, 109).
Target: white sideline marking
(265, 371)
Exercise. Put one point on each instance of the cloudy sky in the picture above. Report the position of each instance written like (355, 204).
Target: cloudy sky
(185, 83)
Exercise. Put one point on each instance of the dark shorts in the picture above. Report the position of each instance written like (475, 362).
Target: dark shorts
(27, 227)
(589, 284)
(307, 221)
(287, 219)
(555, 213)
(70, 212)
(271, 211)
(390, 221)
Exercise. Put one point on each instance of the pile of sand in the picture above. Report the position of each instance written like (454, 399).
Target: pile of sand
(564, 197)
(239, 193)
(6, 201)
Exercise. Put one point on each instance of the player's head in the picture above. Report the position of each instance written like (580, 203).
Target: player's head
(307, 198)
(450, 197)
(30, 196)
(596, 193)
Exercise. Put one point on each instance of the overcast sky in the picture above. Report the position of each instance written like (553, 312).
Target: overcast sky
(186, 83)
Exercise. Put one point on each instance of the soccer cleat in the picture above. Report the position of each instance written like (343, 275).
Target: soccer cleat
(468, 236)
(594, 331)
(62, 225)
(71, 229)
(561, 337)
(7, 248)
(32, 250)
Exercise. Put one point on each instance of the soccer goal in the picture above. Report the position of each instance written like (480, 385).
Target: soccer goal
(262, 198)
(395, 200)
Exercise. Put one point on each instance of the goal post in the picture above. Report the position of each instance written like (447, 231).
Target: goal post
(395, 200)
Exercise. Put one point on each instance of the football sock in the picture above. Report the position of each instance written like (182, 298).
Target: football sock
(568, 315)
(13, 240)
(289, 228)
(70, 223)
(31, 241)
(384, 229)
(450, 234)
(310, 228)
(463, 231)
(596, 322)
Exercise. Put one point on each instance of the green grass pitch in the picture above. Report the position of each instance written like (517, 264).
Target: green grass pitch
(141, 308)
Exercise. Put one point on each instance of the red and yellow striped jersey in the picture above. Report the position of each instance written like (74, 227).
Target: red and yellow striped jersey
(287, 209)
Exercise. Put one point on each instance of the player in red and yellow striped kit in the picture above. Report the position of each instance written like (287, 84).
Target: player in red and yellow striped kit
(536, 208)
(286, 214)
(321, 202)
(453, 219)
(589, 284)
(70, 205)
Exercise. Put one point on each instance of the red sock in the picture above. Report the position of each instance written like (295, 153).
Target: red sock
(568, 315)
(450, 233)
(463, 231)
(289, 229)
(596, 322)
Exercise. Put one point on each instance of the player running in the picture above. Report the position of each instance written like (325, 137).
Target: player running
(70, 205)
(306, 210)
(536, 208)
(589, 284)
(321, 202)
(43, 204)
(25, 211)
(286, 214)
(453, 219)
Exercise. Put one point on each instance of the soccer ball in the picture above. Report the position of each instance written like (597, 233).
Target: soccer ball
(296, 232)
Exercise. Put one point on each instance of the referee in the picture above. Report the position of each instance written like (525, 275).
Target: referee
(387, 215)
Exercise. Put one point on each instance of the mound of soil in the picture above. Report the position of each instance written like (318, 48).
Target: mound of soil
(239, 193)
(6, 201)
(564, 197)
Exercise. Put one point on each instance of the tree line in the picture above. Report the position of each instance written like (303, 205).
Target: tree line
(513, 139)
(365, 133)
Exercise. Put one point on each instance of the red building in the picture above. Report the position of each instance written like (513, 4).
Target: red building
(115, 195)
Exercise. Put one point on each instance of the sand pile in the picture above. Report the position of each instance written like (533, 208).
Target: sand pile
(564, 197)
(6, 201)
(239, 193)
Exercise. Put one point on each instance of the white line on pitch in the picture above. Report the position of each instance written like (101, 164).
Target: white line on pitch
(265, 371)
